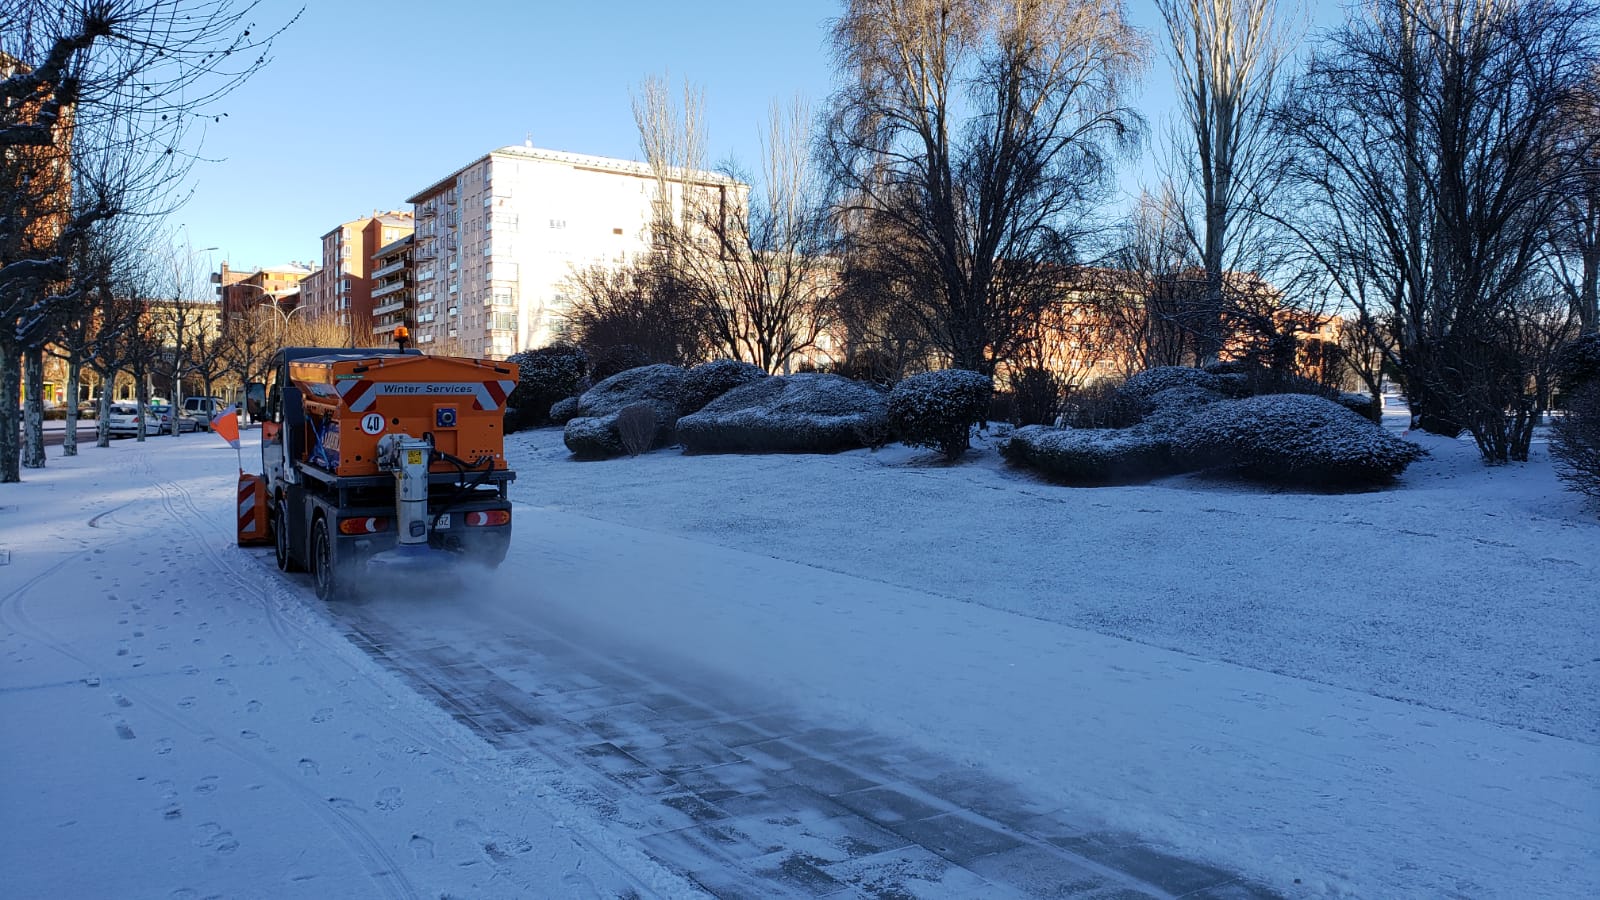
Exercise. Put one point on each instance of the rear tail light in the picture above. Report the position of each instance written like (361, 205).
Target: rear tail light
(369, 525)
(489, 517)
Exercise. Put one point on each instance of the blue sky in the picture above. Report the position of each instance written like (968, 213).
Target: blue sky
(331, 129)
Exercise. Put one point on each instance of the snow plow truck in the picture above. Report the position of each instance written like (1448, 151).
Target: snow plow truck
(379, 465)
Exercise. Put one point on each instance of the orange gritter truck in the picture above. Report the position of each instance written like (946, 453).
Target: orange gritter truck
(379, 463)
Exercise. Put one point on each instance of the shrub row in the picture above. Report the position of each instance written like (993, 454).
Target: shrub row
(1290, 438)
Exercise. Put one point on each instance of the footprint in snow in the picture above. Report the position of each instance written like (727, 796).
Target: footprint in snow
(389, 799)
(164, 746)
(124, 731)
(226, 685)
(189, 669)
(421, 847)
(186, 703)
(121, 701)
(207, 785)
(309, 767)
(322, 715)
(254, 706)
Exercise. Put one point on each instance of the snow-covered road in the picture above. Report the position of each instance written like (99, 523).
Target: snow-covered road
(780, 674)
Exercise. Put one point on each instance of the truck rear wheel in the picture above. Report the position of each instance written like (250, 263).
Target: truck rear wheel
(280, 538)
(322, 561)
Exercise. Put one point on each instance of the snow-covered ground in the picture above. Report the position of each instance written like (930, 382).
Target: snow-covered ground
(1375, 694)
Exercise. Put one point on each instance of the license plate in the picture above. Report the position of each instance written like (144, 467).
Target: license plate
(444, 522)
(413, 457)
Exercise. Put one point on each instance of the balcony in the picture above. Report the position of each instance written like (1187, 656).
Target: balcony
(387, 308)
(385, 328)
(384, 290)
(396, 266)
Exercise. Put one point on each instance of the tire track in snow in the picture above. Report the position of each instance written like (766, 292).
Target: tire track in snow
(381, 868)
(270, 593)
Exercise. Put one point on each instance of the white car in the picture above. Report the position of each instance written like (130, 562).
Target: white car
(158, 419)
(125, 419)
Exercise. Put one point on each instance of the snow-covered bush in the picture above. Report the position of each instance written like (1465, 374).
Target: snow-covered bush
(1090, 455)
(1185, 396)
(658, 386)
(1294, 438)
(708, 381)
(1360, 404)
(1144, 385)
(593, 437)
(563, 411)
(544, 376)
(1101, 404)
(1169, 409)
(1578, 363)
(807, 413)
(938, 409)
(661, 386)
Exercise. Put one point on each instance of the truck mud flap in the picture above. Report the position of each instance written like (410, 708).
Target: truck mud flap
(253, 511)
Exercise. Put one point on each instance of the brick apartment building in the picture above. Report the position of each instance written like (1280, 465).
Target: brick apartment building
(341, 291)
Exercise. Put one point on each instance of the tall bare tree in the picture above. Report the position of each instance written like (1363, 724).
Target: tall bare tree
(754, 260)
(1432, 168)
(99, 105)
(1226, 56)
(1575, 238)
(967, 147)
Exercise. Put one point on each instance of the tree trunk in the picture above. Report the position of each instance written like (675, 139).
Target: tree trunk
(102, 430)
(142, 399)
(33, 408)
(69, 441)
(1589, 300)
(10, 413)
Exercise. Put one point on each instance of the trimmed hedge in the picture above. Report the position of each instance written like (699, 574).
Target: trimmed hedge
(938, 409)
(564, 410)
(544, 376)
(1091, 455)
(806, 413)
(593, 433)
(1146, 384)
(1293, 438)
(708, 381)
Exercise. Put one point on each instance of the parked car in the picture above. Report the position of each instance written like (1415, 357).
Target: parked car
(125, 420)
(170, 419)
(200, 410)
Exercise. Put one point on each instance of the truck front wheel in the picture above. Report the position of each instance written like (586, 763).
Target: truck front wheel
(280, 538)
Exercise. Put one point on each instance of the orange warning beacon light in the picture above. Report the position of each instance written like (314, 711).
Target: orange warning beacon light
(402, 336)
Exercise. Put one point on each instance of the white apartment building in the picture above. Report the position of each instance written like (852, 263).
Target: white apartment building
(497, 239)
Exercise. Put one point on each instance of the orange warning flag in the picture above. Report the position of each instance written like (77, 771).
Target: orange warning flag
(226, 426)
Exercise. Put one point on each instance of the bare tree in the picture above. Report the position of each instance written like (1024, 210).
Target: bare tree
(639, 314)
(756, 265)
(966, 149)
(1574, 250)
(1140, 306)
(1432, 168)
(247, 343)
(99, 102)
(1226, 55)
